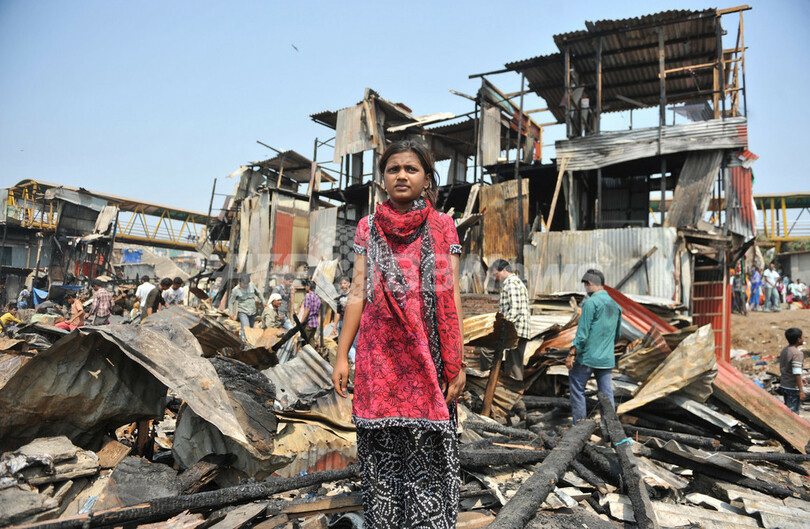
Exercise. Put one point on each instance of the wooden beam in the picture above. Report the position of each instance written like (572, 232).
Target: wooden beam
(721, 12)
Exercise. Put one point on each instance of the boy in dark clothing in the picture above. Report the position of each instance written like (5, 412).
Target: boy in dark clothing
(791, 361)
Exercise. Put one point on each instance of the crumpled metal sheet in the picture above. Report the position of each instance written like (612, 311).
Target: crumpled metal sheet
(743, 396)
(301, 380)
(251, 396)
(686, 365)
(98, 378)
(211, 334)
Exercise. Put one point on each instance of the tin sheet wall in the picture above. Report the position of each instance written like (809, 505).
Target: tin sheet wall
(501, 219)
(570, 253)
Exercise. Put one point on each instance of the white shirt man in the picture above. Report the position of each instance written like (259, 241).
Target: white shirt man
(142, 291)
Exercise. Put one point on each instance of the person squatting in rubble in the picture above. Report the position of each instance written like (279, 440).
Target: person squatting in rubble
(405, 301)
(598, 330)
(76, 313)
(270, 316)
(791, 364)
(10, 317)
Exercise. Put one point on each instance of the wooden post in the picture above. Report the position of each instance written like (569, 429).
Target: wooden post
(662, 105)
(533, 492)
(662, 206)
(631, 476)
(720, 69)
(599, 197)
(521, 220)
(567, 73)
(563, 163)
(494, 371)
(598, 117)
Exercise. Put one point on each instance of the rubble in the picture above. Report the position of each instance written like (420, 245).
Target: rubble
(173, 421)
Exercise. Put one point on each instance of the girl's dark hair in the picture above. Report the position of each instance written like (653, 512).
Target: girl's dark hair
(425, 160)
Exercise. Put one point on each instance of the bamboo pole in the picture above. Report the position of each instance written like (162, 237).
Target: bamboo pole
(560, 173)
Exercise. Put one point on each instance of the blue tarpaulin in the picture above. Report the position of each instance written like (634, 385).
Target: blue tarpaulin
(39, 296)
(132, 256)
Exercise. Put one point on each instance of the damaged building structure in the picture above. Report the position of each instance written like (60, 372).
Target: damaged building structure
(178, 422)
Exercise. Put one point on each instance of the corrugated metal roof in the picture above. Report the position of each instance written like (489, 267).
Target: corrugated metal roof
(610, 148)
(569, 254)
(304, 378)
(746, 398)
(629, 60)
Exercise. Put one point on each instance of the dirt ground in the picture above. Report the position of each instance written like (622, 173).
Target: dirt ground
(763, 333)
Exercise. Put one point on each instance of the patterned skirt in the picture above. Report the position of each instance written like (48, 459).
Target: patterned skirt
(410, 477)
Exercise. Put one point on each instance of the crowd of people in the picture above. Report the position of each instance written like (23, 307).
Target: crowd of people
(77, 307)
(766, 290)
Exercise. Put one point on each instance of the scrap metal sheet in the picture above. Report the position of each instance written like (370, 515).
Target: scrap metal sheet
(97, 378)
(569, 254)
(751, 401)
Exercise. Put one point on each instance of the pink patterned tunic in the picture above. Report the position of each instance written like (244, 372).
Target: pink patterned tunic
(395, 376)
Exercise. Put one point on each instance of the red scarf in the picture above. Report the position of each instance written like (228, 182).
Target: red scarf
(388, 286)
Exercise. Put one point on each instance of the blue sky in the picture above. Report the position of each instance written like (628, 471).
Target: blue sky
(153, 100)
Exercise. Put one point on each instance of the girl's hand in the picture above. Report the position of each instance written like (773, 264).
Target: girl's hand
(340, 376)
(456, 386)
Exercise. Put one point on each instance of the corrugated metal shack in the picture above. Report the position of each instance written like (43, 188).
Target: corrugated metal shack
(600, 191)
(604, 189)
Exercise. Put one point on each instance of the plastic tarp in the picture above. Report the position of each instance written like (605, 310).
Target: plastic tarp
(132, 256)
(39, 295)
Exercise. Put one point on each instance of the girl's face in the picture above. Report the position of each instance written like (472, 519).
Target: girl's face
(404, 179)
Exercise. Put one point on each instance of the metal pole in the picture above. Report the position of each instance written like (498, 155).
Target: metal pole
(519, 178)
(207, 220)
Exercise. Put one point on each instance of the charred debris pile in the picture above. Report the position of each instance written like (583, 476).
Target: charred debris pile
(172, 423)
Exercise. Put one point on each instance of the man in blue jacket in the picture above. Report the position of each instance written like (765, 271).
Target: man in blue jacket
(599, 329)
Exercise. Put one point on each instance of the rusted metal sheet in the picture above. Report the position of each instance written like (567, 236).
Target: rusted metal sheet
(502, 232)
(639, 317)
(610, 148)
(211, 334)
(10, 344)
(693, 191)
(569, 254)
(712, 306)
(687, 366)
(751, 401)
(741, 208)
(629, 60)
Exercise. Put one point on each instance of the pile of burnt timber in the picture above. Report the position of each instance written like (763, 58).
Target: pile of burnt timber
(135, 425)
(692, 441)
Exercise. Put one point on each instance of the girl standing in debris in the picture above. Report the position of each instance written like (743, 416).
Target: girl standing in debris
(405, 301)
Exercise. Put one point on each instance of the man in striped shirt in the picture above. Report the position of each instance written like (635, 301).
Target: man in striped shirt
(102, 305)
(791, 362)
